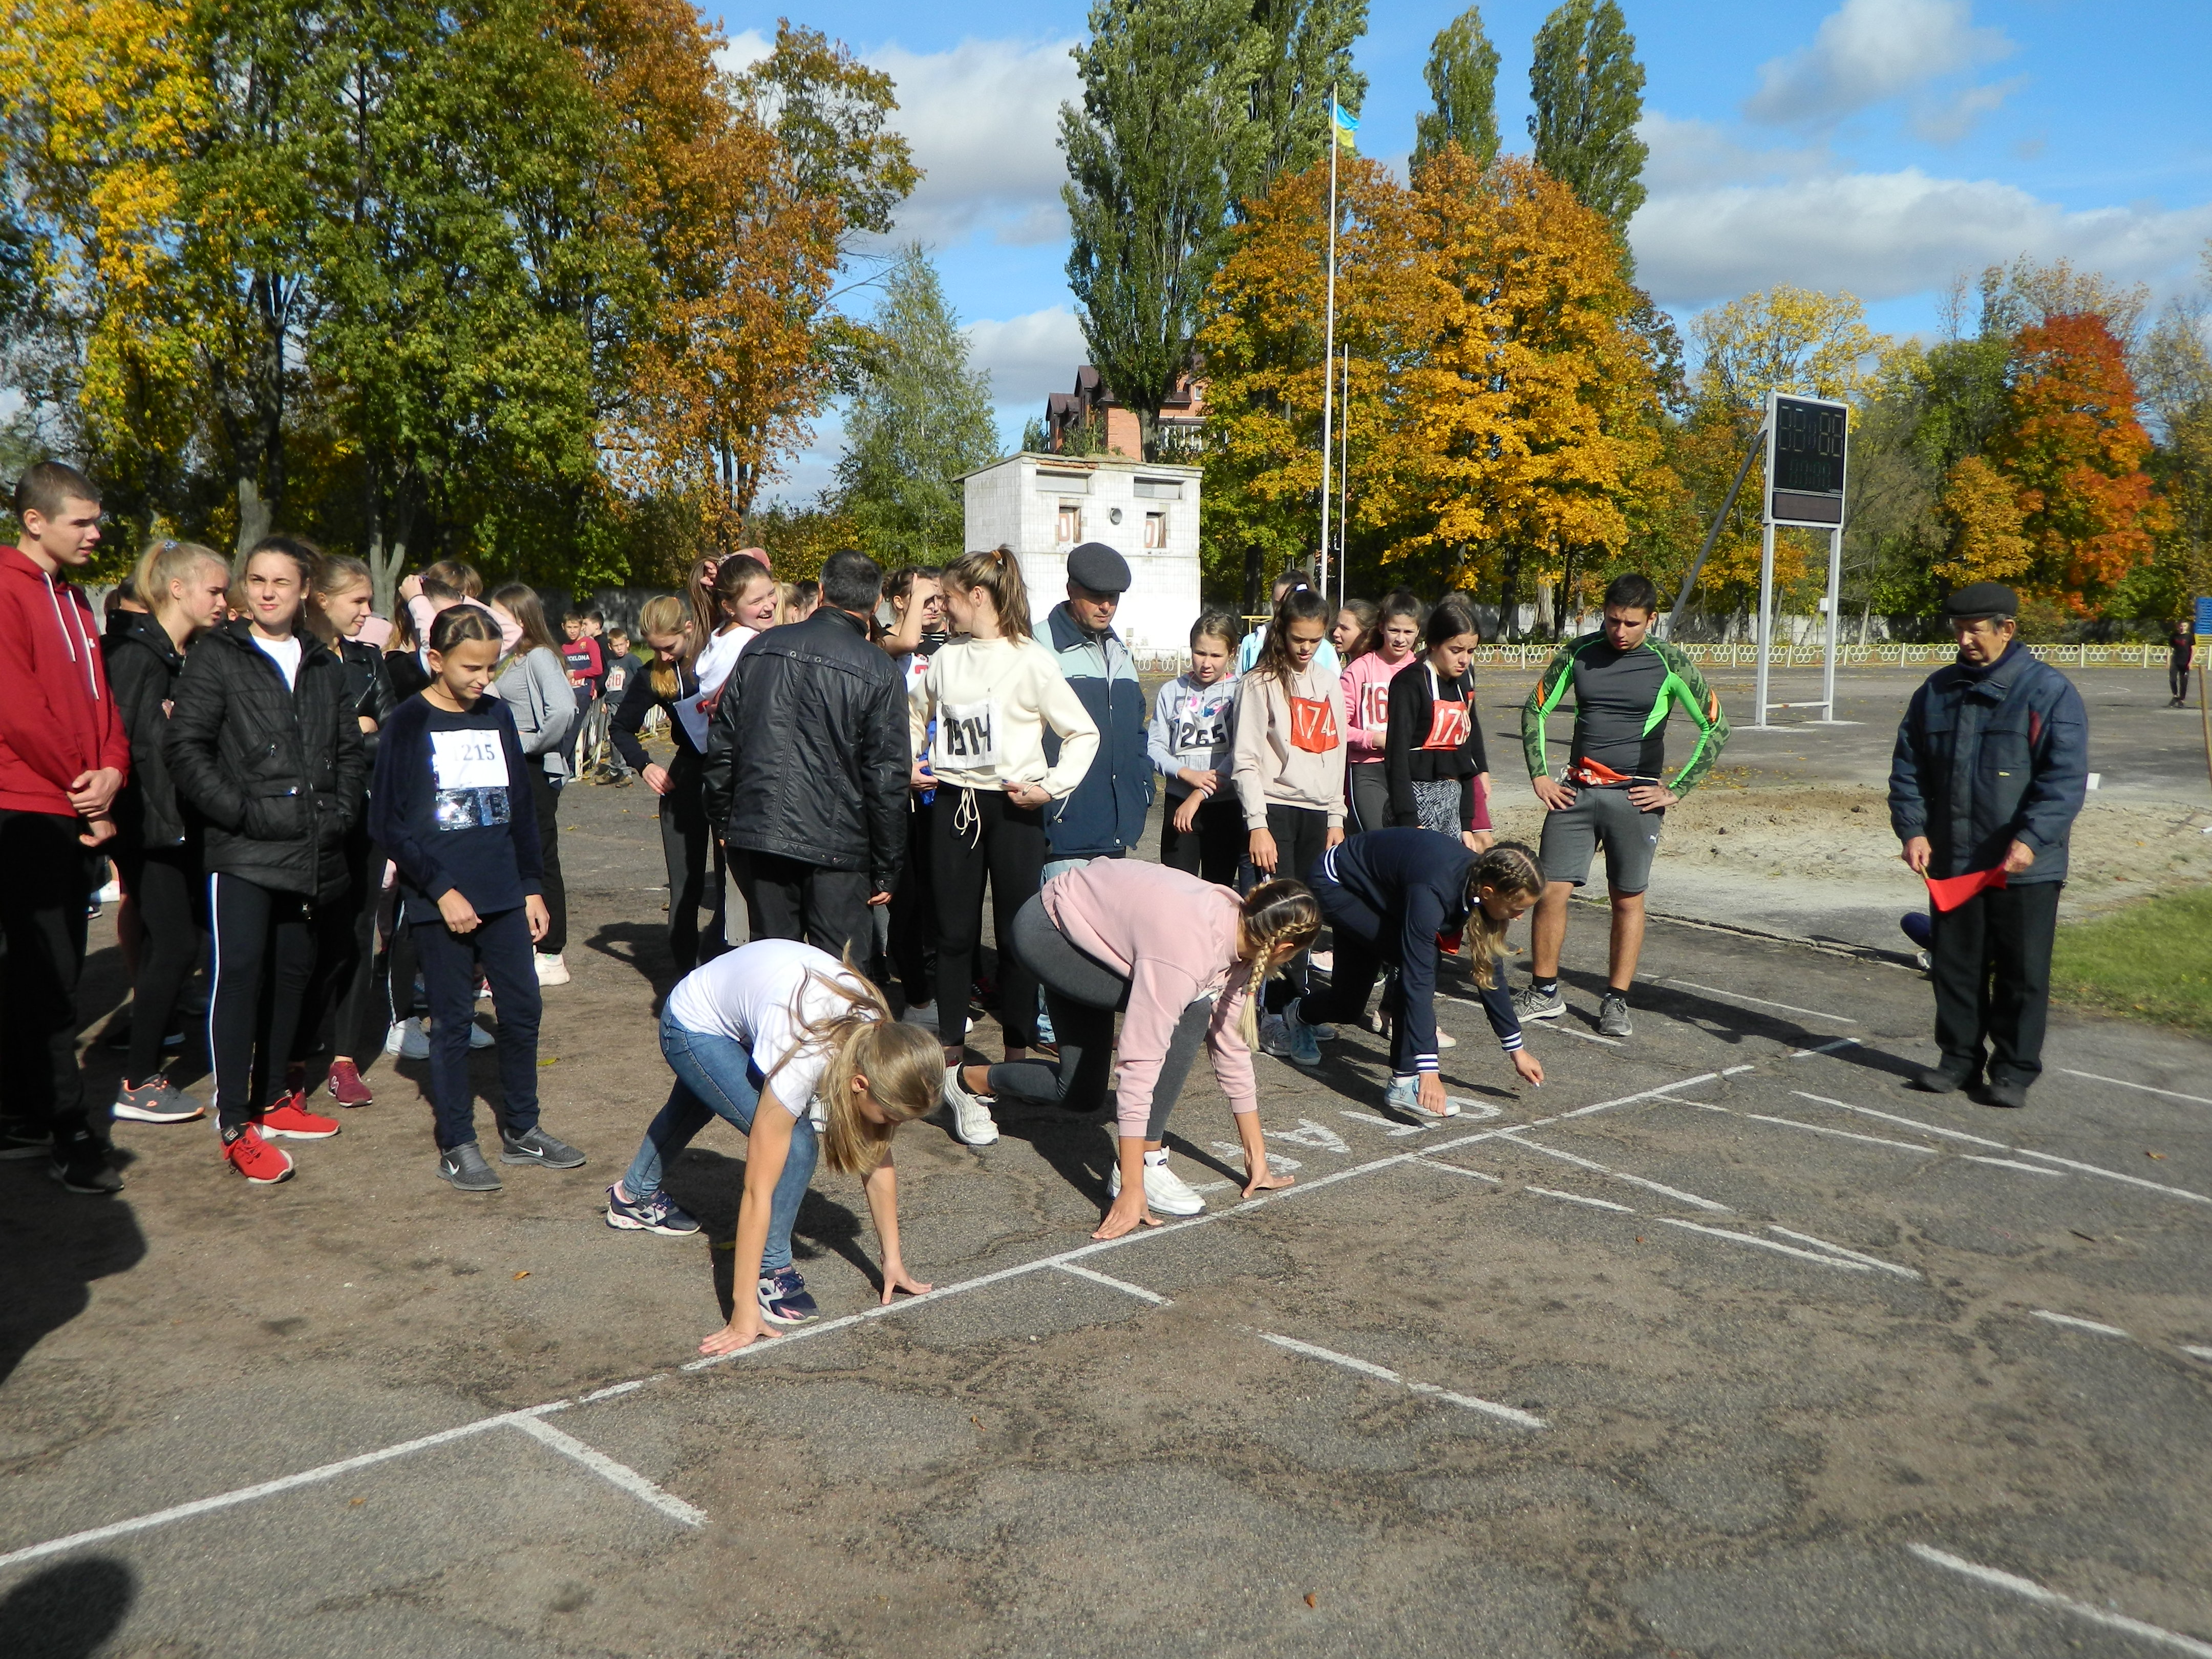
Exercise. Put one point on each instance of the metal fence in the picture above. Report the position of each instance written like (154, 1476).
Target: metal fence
(1862, 656)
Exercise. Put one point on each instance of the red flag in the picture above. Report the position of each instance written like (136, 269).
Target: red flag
(1949, 892)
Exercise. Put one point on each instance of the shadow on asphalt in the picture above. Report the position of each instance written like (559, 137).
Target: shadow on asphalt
(67, 1611)
(56, 1244)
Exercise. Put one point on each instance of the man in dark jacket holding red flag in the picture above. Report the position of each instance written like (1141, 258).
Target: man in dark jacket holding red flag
(1991, 765)
(63, 757)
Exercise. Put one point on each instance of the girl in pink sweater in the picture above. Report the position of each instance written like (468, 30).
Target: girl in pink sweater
(1182, 959)
(1367, 710)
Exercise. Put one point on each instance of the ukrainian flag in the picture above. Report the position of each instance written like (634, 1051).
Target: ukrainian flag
(1347, 127)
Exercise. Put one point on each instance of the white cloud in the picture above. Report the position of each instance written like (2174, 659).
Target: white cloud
(742, 51)
(984, 122)
(1029, 356)
(1691, 153)
(1868, 52)
(1886, 234)
(1947, 120)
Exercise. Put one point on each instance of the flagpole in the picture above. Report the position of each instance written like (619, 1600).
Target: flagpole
(1328, 347)
(1344, 488)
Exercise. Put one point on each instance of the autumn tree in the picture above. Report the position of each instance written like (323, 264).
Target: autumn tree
(2177, 386)
(1588, 88)
(1462, 76)
(1304, 50)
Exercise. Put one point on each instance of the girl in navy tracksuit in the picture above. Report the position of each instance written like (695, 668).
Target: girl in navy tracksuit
(1390, 896)
(451, 804)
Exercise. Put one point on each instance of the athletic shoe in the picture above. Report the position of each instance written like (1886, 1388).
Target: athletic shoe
(534, 1145)
(1288, 1038)
(1941, 1080)
(1613, 1019)
(23, 1140)
(157, 1100)
(971, 1113)
(256, 1159)
(480, 1038)
(1325, 961)
(784, 1300)
(2013, 1096)
(1925, 961)
(1404, 1095)
(413, 1040)
(290, 1120)
(1446, 1039)
(1164, 1190)
(464, 1167)
(1323, 1033)
(80, 1164)
(923, 1014)
(1530, 1003)
(657, 1214)
(346, 1085)
(552, 968)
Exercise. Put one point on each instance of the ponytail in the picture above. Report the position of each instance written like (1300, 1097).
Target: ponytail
(998, 573)
(1274, 914)
(903, 1064)
(1511, 869)
(166, 562)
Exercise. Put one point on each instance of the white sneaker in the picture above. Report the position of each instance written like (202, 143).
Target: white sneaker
(480, 1038)
(396, 1038)
(971, 1113)
(1446, 1039)
(1324, 960)
(415, 1041)
(1164, 1190)
(552, 969)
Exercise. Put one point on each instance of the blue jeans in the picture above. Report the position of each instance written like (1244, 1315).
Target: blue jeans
(716, 1077)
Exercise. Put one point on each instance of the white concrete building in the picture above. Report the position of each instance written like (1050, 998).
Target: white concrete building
(1042, 506)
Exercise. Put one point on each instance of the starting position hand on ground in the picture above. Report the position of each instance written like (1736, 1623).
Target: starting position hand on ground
(1529, 1066)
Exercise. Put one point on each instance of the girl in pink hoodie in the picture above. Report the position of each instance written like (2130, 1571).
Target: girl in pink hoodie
(1367, 683)
(1182, 958)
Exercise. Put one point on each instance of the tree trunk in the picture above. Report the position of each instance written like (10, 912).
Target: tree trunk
(1546, 621)
(254, 514)
(1509, 594)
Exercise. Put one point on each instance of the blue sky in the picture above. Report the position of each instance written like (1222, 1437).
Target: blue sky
(1877, 146)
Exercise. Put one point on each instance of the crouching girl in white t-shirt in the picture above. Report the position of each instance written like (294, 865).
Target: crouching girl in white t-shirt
(780, 1024)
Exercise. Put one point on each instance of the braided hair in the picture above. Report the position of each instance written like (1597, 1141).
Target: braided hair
(1509, 868)
(1274, 914)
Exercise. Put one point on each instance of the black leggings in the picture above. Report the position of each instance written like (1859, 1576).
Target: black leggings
(687, 847)
(979, 835)
(2177, 681)
(262, 959)
(1367, 788)
(913, 907)
(545, 797)
(360, 1019)
(1213, 846)
(1301, 835)
(1084, 995)
(164, 882)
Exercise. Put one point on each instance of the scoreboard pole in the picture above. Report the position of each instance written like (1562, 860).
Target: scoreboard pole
(1766, 629)
(1835, 627)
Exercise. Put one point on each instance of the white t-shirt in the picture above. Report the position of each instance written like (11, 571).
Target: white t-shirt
(760, 995)
(285, 654)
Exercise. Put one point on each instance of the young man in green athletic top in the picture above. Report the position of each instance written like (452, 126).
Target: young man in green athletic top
(1625, 686)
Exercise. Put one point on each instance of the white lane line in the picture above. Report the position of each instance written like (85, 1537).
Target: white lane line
(1733, 1069)
(1512, 1414)
(2078, 1324)
(2195, 1353)
(1842, 1134)
(1855, 1255)
(2121, 1082)
(2034, 1592)
(1909, 1122)
(1577, 1198)
(1566, 1029)
(1751, 1239)
(620, 1474)
(2114, 1174)
(1122, 1285)
(1816, 1013)
(1459, 1168)
(1394, 1128)
(1825, 1048)
(2008, 1164)
(618, 1389)
(1617, 1175)
(269, 1488)
(1627, 1100)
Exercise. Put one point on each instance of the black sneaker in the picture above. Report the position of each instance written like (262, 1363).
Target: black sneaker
(25, 1141)
(80, 1164)
(464, 1168)
(535, 1147)
(2011, 1096)
(1944, 1080)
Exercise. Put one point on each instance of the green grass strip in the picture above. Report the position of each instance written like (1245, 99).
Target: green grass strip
(2152, 961)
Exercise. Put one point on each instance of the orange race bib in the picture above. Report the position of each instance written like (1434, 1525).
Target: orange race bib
(1447, 726)
(1313, 724)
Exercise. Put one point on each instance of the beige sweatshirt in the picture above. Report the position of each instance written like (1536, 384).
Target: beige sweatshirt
(992, 699)
(1270, 766)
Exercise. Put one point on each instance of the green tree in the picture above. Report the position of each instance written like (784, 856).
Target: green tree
(1305, 48)
(919, 419)
(1463, 77)
(1155, 158)
(1589, 92)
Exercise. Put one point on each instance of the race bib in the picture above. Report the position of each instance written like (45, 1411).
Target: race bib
(1196, 729)
(1374, 705)
(1313, 724)
(617, 679)
(968, 733)
(470, 769)
(1447, 726)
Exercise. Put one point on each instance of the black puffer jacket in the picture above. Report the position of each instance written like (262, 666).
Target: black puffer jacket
(143, 665)
(369, 689)
(277, 775)
(806, 755)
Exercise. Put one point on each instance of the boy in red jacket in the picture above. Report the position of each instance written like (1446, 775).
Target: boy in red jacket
(62, 758)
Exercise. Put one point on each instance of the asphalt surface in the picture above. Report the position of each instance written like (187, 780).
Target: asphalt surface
(1722, 1343)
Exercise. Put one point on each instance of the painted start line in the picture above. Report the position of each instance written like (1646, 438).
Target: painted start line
(530, 1421)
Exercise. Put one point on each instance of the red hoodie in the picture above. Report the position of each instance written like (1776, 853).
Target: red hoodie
(57, 718)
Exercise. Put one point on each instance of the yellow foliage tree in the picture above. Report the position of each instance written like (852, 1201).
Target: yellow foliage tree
(1989, 539)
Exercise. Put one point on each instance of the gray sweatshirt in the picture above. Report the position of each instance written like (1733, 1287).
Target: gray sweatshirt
(535, 687)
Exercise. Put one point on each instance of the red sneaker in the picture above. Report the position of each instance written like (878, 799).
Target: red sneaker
(256, 1159)
(291, 1118)
(347, 1087)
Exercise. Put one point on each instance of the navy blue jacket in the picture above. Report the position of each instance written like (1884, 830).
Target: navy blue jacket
(1983, 761)
(1103, 816)
(1405, 887)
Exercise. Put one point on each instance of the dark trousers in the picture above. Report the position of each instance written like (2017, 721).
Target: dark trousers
(1083, 994)
(914, 908)
(358, 1015)
(687, 847)
(45, 882)
(1991, 966)
(345, 929)
(261, 963)
(785, 899)
(165, 884)
(1301, 835)
(2177, 681)
(545, 796)
(1213, 846)
(982, 836)
(502, 943)
(1367, 790)
(1365, 945)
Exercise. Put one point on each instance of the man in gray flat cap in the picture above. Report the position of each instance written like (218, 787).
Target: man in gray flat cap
(1104, 818)
(1989, 775)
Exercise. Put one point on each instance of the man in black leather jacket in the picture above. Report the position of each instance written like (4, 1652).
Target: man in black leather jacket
(806, 769)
